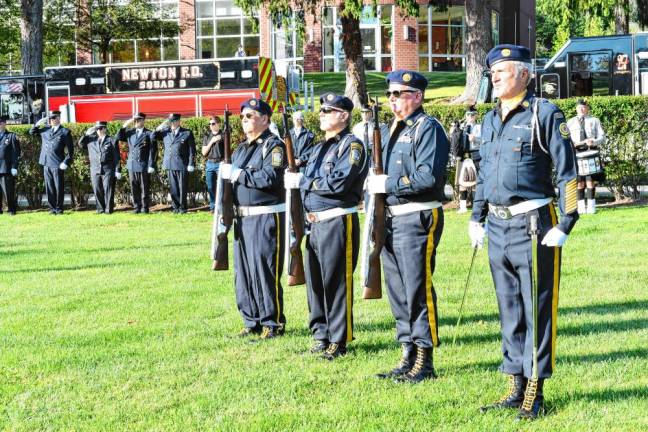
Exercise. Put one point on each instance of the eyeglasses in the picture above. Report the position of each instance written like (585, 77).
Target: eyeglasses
(248, 116)
(100, 128)
(398, 93)
(213, 123)
(328, 110)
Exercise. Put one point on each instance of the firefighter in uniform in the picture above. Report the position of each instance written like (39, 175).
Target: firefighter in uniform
(142, 159)
(55, 140)
(468, 158)
(256, 172)
(179, 156)
(586, 134)
(103, 153)
(415, 155)
(9, 156)
(213, 151)
(302, 139)
(331, 188)
(523, 138)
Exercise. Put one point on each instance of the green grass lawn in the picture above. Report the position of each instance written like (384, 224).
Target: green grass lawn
(441, 84)
(118, 323)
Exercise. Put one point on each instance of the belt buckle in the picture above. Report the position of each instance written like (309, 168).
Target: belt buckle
(311, 217)
(503, 213)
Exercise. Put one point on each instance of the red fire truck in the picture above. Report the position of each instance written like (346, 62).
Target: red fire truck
(118, 91)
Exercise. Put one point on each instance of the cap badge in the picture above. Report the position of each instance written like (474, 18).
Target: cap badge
(407, 77)
(330, 97)
(253, 102)
(506, 52)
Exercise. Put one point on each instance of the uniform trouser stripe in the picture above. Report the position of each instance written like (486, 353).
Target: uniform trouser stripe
(277, 272)
(349, 277)
(428, 279)
(554, 297)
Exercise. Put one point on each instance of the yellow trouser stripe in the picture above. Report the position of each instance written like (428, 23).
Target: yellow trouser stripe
(554, 295)
(277, 275)
(349, 277)
(428, 278)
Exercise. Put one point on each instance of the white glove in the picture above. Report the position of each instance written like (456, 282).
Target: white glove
(151, 170)
(162, 126)
(226, 171)
(90, 131)
(376, 184)
(128, 122)
(41, 122)
(292, 180)
(117, 175)
(63, 166)
(14, 172)
(234, 175)
(554, 238)
(477, 232)
(190, 168)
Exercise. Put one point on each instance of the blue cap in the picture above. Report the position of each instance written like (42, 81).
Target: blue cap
(409, 78)
(507, 52)
(336, 101)
(174, 117)
(100, 123)
(258, 105)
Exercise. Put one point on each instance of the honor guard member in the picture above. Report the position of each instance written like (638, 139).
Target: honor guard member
(586, 134)
(302, 140)
(331, 188)
(103, 152)
(469, 158)
(523, 138)
(9, 156)
(179, 156)
(212, 150)
(256, 172)
(142, 160)
(55, 140)
(415, 155)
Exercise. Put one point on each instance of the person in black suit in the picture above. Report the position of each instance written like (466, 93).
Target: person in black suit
(9, 156)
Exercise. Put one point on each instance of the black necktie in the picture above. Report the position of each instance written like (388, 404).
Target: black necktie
(583, 137)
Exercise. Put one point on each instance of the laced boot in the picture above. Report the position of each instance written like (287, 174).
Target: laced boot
(249, 331)
(408, 357)
(533, 405)
(319, 347)
(514, 397)
(269, 333)
(334, 351)
(423, 367)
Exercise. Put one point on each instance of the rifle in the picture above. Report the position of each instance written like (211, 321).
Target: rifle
(293, 259)
(373, 235)
(224, 208)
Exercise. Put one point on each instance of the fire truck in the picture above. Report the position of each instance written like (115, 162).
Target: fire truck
(118, 91)
(590, 66)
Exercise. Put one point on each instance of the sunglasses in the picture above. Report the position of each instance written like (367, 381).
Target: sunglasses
(213, 123)
(100, 128)
(328, 110)
(398, 93)
(248, 116)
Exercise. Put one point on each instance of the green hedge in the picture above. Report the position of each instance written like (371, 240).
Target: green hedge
(624, 118)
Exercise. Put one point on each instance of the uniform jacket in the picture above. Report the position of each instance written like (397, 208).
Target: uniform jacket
(103, 156)
(9, 152)
(593, 130)
(263, 162)
(142, 150)
(53, 145)
(179, 149)
(335, 173)
(415, 156)
(302, 143)
(513, 169)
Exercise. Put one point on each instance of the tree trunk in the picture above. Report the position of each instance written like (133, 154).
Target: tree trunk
(622, 17)
(356, 87)
(479, 40)
(31, 36)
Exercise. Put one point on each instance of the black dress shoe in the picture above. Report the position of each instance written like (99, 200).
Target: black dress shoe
(408, 357)
(145, 210)
(423, 368)
(136, 210)
(512, 399)
(533, 405)
(319, 347)
(334, 351)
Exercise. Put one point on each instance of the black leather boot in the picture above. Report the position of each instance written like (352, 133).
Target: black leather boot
(533, 405)
(408, 358)
(514, 397)
(423, 367)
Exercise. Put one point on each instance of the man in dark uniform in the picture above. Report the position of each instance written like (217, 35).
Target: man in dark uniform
(9, 156)
(302, 139)
(256, 172)
(212, 150)
(179, 156)
(331, 188)
(55, 139)
(415, 155)
(103, 153)
(523, 138)
(142, 159)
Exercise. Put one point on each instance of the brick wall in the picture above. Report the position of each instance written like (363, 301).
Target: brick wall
(265, 33)
(187, 11)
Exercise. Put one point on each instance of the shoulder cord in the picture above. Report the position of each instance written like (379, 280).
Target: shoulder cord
(535, 128)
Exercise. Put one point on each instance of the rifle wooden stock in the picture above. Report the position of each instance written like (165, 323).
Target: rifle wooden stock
(224, 210)
(372, 286)
(295, 218)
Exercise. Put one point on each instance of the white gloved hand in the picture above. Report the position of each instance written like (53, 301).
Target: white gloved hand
(63, 166)
(164, 125)
(377, 184)
(41, 122)
(234, 175)
(190, 168)
(90, 131)
(117, 175)
(128, 122)
(226, 171)
(14, 172)
(477, 232)
(554, 238)
(151, 170)
(292, 180)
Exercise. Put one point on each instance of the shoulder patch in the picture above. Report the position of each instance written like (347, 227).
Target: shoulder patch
(564, 131)
(355, 155)
(277, 157)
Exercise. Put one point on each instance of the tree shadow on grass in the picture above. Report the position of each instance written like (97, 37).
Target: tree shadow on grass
(64, 268)
(608, 395)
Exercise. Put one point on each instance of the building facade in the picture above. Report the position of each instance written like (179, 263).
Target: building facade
(217, 29)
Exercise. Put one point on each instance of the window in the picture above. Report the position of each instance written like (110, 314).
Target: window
(287, 44)
(590, 74)
(221, 27)
(59, 28)
(441, 37)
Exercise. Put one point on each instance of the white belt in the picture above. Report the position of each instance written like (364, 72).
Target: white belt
(401, 209)
(524, 207)
(260, 210)
(315, 217)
